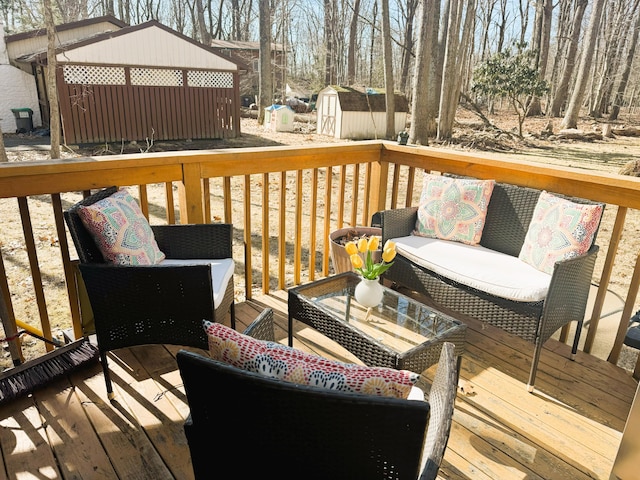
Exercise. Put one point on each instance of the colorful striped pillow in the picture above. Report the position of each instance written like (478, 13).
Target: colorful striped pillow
(289, 364)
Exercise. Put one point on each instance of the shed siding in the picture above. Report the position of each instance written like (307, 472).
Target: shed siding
(368, 125)
(96, 113)
(153, 46)
(38, 43)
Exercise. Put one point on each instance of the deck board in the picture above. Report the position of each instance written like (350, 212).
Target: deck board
(569, 428)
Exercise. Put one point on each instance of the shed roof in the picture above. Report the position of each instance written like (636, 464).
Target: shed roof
(352, 100)
(66, 26)
(138, 45)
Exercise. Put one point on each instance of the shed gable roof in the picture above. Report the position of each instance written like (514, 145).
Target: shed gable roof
(149, 43)
(352, 100)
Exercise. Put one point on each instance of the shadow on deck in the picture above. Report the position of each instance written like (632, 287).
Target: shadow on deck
(569, 428)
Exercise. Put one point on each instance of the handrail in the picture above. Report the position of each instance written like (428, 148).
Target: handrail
(313, 190)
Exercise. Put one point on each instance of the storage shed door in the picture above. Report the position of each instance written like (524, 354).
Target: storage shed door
(327, 114)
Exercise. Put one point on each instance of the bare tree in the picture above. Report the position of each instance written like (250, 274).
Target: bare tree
(265, 93)
(540, 45)
(624, 78)
(202, 30)
(419, 131)
(562, 86)
(570, 119)
(329, 67)
(408, 43)
(390, 98)
(52, 89)
(461, 22)
(353, 33)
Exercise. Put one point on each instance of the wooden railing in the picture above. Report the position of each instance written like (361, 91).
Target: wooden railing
(282, 200)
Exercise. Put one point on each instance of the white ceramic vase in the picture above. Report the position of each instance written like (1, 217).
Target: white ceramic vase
(368, 293)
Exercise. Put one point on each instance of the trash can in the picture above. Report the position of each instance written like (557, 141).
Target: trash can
(24, 119)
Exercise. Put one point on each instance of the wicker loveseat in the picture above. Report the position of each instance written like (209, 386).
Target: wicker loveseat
(508, 216)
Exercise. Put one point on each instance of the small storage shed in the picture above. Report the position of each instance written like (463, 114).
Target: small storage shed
(278, 118)
(344, 112)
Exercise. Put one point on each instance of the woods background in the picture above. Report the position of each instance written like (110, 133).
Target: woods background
(584, 51)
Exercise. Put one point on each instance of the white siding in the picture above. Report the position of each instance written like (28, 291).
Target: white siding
(39, 43)
(150, 46)
(367, 125)
(18, 91)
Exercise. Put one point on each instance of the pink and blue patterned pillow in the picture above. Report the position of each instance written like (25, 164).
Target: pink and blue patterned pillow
(275, 360)
(453, 208)
(121, 231)
(560, 229)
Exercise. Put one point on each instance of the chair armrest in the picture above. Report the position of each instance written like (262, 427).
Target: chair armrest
(566, 300)
(209, 240)
(262, 327)
(398, 222)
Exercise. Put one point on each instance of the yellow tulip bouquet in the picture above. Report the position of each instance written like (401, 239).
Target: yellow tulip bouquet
(367, 268)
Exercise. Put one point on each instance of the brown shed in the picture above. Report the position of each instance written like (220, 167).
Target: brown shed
(144, 82)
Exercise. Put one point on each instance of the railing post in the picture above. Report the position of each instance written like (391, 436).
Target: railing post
(190, 195)
(378, 190)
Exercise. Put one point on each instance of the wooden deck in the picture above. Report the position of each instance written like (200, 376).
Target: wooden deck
(569, 428)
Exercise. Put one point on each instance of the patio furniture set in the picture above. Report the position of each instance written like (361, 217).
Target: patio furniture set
(174, 285)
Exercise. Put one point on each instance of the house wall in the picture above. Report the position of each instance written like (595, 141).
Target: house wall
(18, 91)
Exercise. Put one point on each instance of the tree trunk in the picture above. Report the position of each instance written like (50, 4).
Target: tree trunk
(570, 119)
(52, 90)
(541, 45)
(418, 133)
(562, 90)
(328, 41)
(205, 36)
(387, 53)
(455, 60)
(265, 92)
(624, 79)
(353, 35)
(408, 45)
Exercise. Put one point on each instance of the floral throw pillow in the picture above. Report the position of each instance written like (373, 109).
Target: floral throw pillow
(453, 208)
(559, 230)
(275, 360)
(121, 231)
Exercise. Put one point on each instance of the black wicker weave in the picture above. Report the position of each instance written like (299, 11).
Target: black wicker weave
(308, 304)
(137, 305)
(508, 217)
(309, 432)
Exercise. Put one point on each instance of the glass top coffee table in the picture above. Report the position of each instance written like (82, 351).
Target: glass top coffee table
(400, 333)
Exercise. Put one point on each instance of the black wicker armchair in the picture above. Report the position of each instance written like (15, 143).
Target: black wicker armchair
(155, 304)
(310, 432)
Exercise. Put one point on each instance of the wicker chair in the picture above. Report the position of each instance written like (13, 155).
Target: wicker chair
(157, 304)
(309, 432)
(508, 217)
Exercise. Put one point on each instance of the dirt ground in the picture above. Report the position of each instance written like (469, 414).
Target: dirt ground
(608, 155)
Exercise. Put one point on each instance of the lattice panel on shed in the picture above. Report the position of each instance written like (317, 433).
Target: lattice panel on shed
(201, 78)
(92, 75)
(157, 77)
